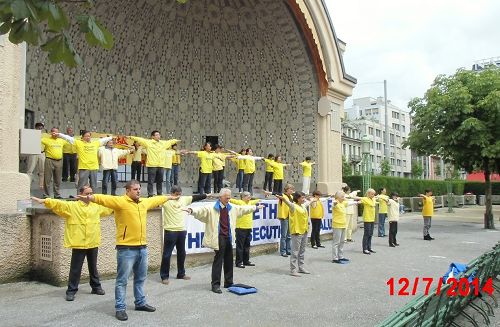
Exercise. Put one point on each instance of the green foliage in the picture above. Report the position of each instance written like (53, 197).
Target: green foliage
(346, 167)
(478, 188)
(385, 167)
(44, 23)
(405, 186)
(416, 169)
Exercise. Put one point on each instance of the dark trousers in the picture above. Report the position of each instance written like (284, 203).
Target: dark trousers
(223, 256)
(268, 181)
(174, 177)
(248, 182)
(69, 167)
(204, 183)
(75, 269)
(106, 176)
(171, 239)
(393, 230)
(367, 236)
(155, 175)
(316, 228)
(278, 186)
(136, 170)
(243, 237)
(239, 180)
(218, 180)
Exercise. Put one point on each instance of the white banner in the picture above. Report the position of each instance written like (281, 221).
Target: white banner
(266, 225)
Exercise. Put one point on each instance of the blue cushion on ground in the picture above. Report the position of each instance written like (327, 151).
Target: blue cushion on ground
(242, 290)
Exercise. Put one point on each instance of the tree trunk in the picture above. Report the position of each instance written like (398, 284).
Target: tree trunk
(488, 215)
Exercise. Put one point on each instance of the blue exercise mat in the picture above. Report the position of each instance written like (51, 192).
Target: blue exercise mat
(242, 289)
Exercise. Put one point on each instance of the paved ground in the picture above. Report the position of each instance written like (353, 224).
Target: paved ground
(344, 295)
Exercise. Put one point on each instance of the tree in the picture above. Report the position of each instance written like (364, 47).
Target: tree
(45, 23)
(458, 118)
(346, 167)
(416, 169)
(385, 167)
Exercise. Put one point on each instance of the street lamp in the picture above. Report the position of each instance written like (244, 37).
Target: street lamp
(449, 189)
(366, 163)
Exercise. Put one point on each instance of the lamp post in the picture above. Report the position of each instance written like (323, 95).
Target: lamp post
(366, 163)
(449, 189)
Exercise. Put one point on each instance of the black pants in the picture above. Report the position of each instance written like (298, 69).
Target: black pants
(248, 182)
(75, 269)
(278, 186)
(136, 170)
(204, 183)
(367, 236)
(69, 167)
(316, 228)
(106, 176)
(393, 230)
(223, 256)
(171, 239)
(218, 180)
(155, 175)
(243, 237)
(268, 181)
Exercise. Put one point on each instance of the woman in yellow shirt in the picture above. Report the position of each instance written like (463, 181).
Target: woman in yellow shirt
(299, 224)
(240, 166)
(278, 174)
(316, 212)
(243, 231)
(382, 199)
(339, 226)
(249, 170)
(369, 203)
(206, 157)
(306, 174)
(427, 212)
(268, 179)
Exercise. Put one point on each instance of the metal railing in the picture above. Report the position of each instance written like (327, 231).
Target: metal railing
(442, 309)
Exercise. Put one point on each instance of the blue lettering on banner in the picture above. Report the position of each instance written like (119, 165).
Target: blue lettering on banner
(326, 224)
(329, 204)
(265, 232)
(273, 210)
(256, 214)
(196, 238)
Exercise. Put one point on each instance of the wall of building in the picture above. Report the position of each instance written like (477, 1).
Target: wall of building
(240, 71)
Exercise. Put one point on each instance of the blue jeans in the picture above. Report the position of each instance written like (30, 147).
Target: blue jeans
(381, 224)
(285, 237)
(128, 260)
(173, 239)
(239, 180)
(106, 176)
(168, 182)
(174, 177)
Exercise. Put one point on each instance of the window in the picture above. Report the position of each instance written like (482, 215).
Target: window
(371, 145)
(403, 128)
(391, 138)
(361, 112)
(379, 158)
(370, 130)
(350, 150)
(395, 115)
(378, 132)
(343, 149)
(404, 163)
(349, 132)
(398, 162)
(379, 146)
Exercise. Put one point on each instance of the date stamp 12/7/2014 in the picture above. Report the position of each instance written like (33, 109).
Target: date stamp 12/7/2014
(458, 287)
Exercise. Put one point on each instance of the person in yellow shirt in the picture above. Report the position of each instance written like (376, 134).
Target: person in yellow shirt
(299, 224)
(218, 165)
(427, 212)
(284, 216)
(169, 159)
(108, 157)
(306, 174)
(316, 212)
(240, 163)
(249, 171)
(382, 200)
(243, 231)
(88, 162)
(369, 203)
(82, 234)
(174, 233)
(176, 165)
(155, 160)
(278, 174)
(131, 212)
(339, 226)
(69, 159)
(206, 157)
(268, 179)
(53, 162)
(136, 166)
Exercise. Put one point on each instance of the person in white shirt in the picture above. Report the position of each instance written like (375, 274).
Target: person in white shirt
(393, 215)
(108, 157)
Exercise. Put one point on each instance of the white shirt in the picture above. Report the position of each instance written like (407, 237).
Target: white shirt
(109, 157)
(393, 210)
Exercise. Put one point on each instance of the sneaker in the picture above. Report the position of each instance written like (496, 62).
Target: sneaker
(98, 291)
(337, 261)
(392, 245)
(295, 274)
(430, 237)
(303, 271)
(228, 285)
(216, 290)
(165, 281)
(289, 253)
(121, 315)
(70, 297)
(396, 244)
(366, 252)
(372, 251)
(145, 307)
(314, 247)
(284, 255)
(427, 238)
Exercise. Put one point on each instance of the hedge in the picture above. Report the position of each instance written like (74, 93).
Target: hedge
(405, 186)
(477, 188)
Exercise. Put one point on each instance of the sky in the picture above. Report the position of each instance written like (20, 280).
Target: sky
(410, 42)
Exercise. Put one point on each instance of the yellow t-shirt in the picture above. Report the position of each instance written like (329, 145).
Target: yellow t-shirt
(316, 212)
(137, 156)
(306, 169)
(428, 206)
(53, 147)
(176, 159)
(249, 166)
(245, 221)
(283, 209)
(299, 222)
(382, 204)
(69, 148)
(169, 155)
(156, 150)
(87, 154)
(269, 167)
(206, 159)
(339, 215)
(278, 170)
(218, 161)
(368, 209)
(173, 216)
